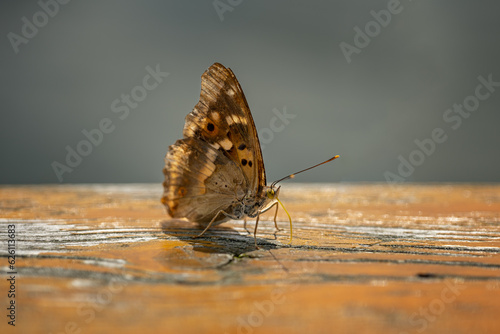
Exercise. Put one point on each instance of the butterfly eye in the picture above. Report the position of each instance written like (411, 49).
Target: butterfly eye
(270, 193)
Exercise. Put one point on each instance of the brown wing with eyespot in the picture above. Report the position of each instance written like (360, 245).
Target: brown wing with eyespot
(219, 160)
(222, 118)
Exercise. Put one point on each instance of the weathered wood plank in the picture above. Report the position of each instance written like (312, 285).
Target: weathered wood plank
(364, 258)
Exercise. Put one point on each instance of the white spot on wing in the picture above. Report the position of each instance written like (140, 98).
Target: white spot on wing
(226, 144)
(215, 116)
(230, 120)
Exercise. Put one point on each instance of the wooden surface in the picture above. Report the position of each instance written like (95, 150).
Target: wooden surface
(364, 259)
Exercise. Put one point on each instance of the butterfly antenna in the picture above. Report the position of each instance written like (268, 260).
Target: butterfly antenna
(291, 176)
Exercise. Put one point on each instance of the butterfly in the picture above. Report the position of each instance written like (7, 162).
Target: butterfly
(216, 172)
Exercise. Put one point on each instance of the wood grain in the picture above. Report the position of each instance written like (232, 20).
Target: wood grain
(365, 258)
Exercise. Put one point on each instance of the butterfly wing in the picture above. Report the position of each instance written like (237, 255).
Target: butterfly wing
(222, 118)
(197, 181)
(220, 159)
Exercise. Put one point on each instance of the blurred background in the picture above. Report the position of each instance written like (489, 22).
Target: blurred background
(373, 81)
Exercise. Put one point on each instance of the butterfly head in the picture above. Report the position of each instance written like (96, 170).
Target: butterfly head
(272, 192)
(268, 198)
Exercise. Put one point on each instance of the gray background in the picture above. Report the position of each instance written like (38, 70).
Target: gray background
(284, 53)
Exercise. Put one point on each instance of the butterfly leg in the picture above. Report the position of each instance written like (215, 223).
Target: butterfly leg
(213, 219)
(245, 224)
(257, 223)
